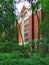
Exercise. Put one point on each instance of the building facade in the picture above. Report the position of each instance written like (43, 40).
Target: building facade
(27, 25)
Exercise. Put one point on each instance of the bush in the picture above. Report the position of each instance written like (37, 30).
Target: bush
(8, 46)
(47, 59)
(14, 58)
(11, 53)
(15, 55)
(38, 59)
(16, 62)
(12, 46)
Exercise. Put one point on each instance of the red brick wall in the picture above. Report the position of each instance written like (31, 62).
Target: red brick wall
(35, 27)
(39, 13)
(30, 27)
(36, 23)
(19, 32)
(32, 24)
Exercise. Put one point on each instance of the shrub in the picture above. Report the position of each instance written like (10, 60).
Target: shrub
(47, 59)
(14, 58)
(38, 59)
(8, 47)
(12, 46)
(14, 55)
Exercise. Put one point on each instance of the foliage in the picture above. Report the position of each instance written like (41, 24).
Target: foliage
(8, 21)
(35, 6)
(44, 26)
(12, 46)
(6, 46)
(11, 58)
(45, 23)
(12, 53)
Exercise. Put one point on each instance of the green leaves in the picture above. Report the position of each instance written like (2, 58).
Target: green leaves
(45, 7)
(8, 18)
(35, 6)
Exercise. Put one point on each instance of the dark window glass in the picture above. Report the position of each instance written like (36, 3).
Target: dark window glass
(26, 30)
(26, 39)
(25, 22)
(26, 34)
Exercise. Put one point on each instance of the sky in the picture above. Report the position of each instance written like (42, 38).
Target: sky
(20, 5)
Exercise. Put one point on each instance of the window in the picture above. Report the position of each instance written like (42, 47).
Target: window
(26, 14)
(25, 22)
(25, 39)
(26, 30)
(26, 34)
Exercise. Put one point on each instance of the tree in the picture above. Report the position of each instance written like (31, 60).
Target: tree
(45, 28)
(8, 22)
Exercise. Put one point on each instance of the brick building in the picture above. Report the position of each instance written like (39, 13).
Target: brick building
(27, 25)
